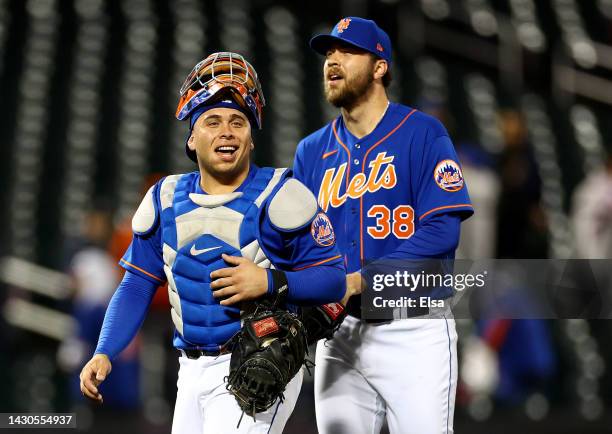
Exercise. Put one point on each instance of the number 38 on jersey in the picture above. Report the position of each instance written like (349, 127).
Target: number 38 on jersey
(398, 221)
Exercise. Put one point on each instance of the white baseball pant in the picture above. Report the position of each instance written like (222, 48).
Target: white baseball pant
(204, 406)
(404, 371)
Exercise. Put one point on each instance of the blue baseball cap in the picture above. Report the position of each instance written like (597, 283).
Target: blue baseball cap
(359, 32)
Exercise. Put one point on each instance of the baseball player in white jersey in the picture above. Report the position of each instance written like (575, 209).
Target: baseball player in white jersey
(388, 178)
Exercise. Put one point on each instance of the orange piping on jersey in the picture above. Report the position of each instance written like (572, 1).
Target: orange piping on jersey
(361, 231)
(385, 138)
(445, 207)
(348, 164)
(317, 263)
(141, 270)
(363, 171)
(327, 154)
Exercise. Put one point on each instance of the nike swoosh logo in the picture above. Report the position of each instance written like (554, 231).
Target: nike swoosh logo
(196, 252)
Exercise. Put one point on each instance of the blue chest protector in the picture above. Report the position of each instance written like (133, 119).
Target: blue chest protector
(196, 230)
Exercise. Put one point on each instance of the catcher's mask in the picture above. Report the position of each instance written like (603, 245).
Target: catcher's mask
(219, 71)
(222, 73)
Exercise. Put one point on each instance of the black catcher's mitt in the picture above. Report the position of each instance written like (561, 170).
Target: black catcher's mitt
(321, 322)
(267, 353)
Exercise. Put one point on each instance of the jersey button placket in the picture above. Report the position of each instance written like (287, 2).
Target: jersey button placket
(354, 202)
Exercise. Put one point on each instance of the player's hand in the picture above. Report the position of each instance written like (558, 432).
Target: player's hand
(243, 281)
(94, 373)
(354, 285)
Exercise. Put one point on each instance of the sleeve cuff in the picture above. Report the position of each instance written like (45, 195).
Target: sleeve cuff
(270, 282)
(465, 208)
(141, 272)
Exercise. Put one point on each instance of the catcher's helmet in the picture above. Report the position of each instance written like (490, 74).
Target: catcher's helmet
(227, 72)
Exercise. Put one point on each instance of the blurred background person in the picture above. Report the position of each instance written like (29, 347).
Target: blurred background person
(479, 233)
(95, 277)
(522, 221)
(592, 214)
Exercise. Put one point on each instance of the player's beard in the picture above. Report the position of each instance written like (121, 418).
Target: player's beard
(355, 87)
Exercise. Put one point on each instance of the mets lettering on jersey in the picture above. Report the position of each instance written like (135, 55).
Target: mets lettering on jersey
(379, 189)
(359, 184)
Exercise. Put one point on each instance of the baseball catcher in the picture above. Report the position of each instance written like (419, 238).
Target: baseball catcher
(226, 238)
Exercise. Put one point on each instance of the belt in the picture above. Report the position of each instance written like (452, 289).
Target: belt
(196, 354)
(354, 309)
(411, 312)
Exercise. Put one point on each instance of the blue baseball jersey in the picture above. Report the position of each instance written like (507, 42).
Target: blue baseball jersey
(193, 229)
(379, 189)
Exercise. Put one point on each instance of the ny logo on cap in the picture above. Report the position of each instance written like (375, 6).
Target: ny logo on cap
(343, 24)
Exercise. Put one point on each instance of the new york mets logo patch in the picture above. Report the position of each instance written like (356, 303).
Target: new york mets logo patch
(322, 231)
(448, 176)
(343, 24)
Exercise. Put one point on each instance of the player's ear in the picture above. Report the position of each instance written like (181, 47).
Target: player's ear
(380, 68)
(252, 145)
(190, 143)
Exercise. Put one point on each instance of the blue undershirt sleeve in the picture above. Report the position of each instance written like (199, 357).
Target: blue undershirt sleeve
(436, 238)
(125, 314)
(315, 285)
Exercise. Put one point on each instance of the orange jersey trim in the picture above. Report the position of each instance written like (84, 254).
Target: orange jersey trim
(327, 154)
(317, 263)
(365, 158)
(461, 205)
(385, 138)
(141, 270)
(348, 152)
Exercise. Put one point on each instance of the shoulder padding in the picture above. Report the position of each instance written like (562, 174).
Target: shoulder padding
(292, 206)
(146, 215)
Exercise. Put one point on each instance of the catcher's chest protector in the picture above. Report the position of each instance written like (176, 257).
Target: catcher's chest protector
(196, 230)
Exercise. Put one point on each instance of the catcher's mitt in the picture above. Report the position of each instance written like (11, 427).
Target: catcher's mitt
(321, 322)
(267, 353)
